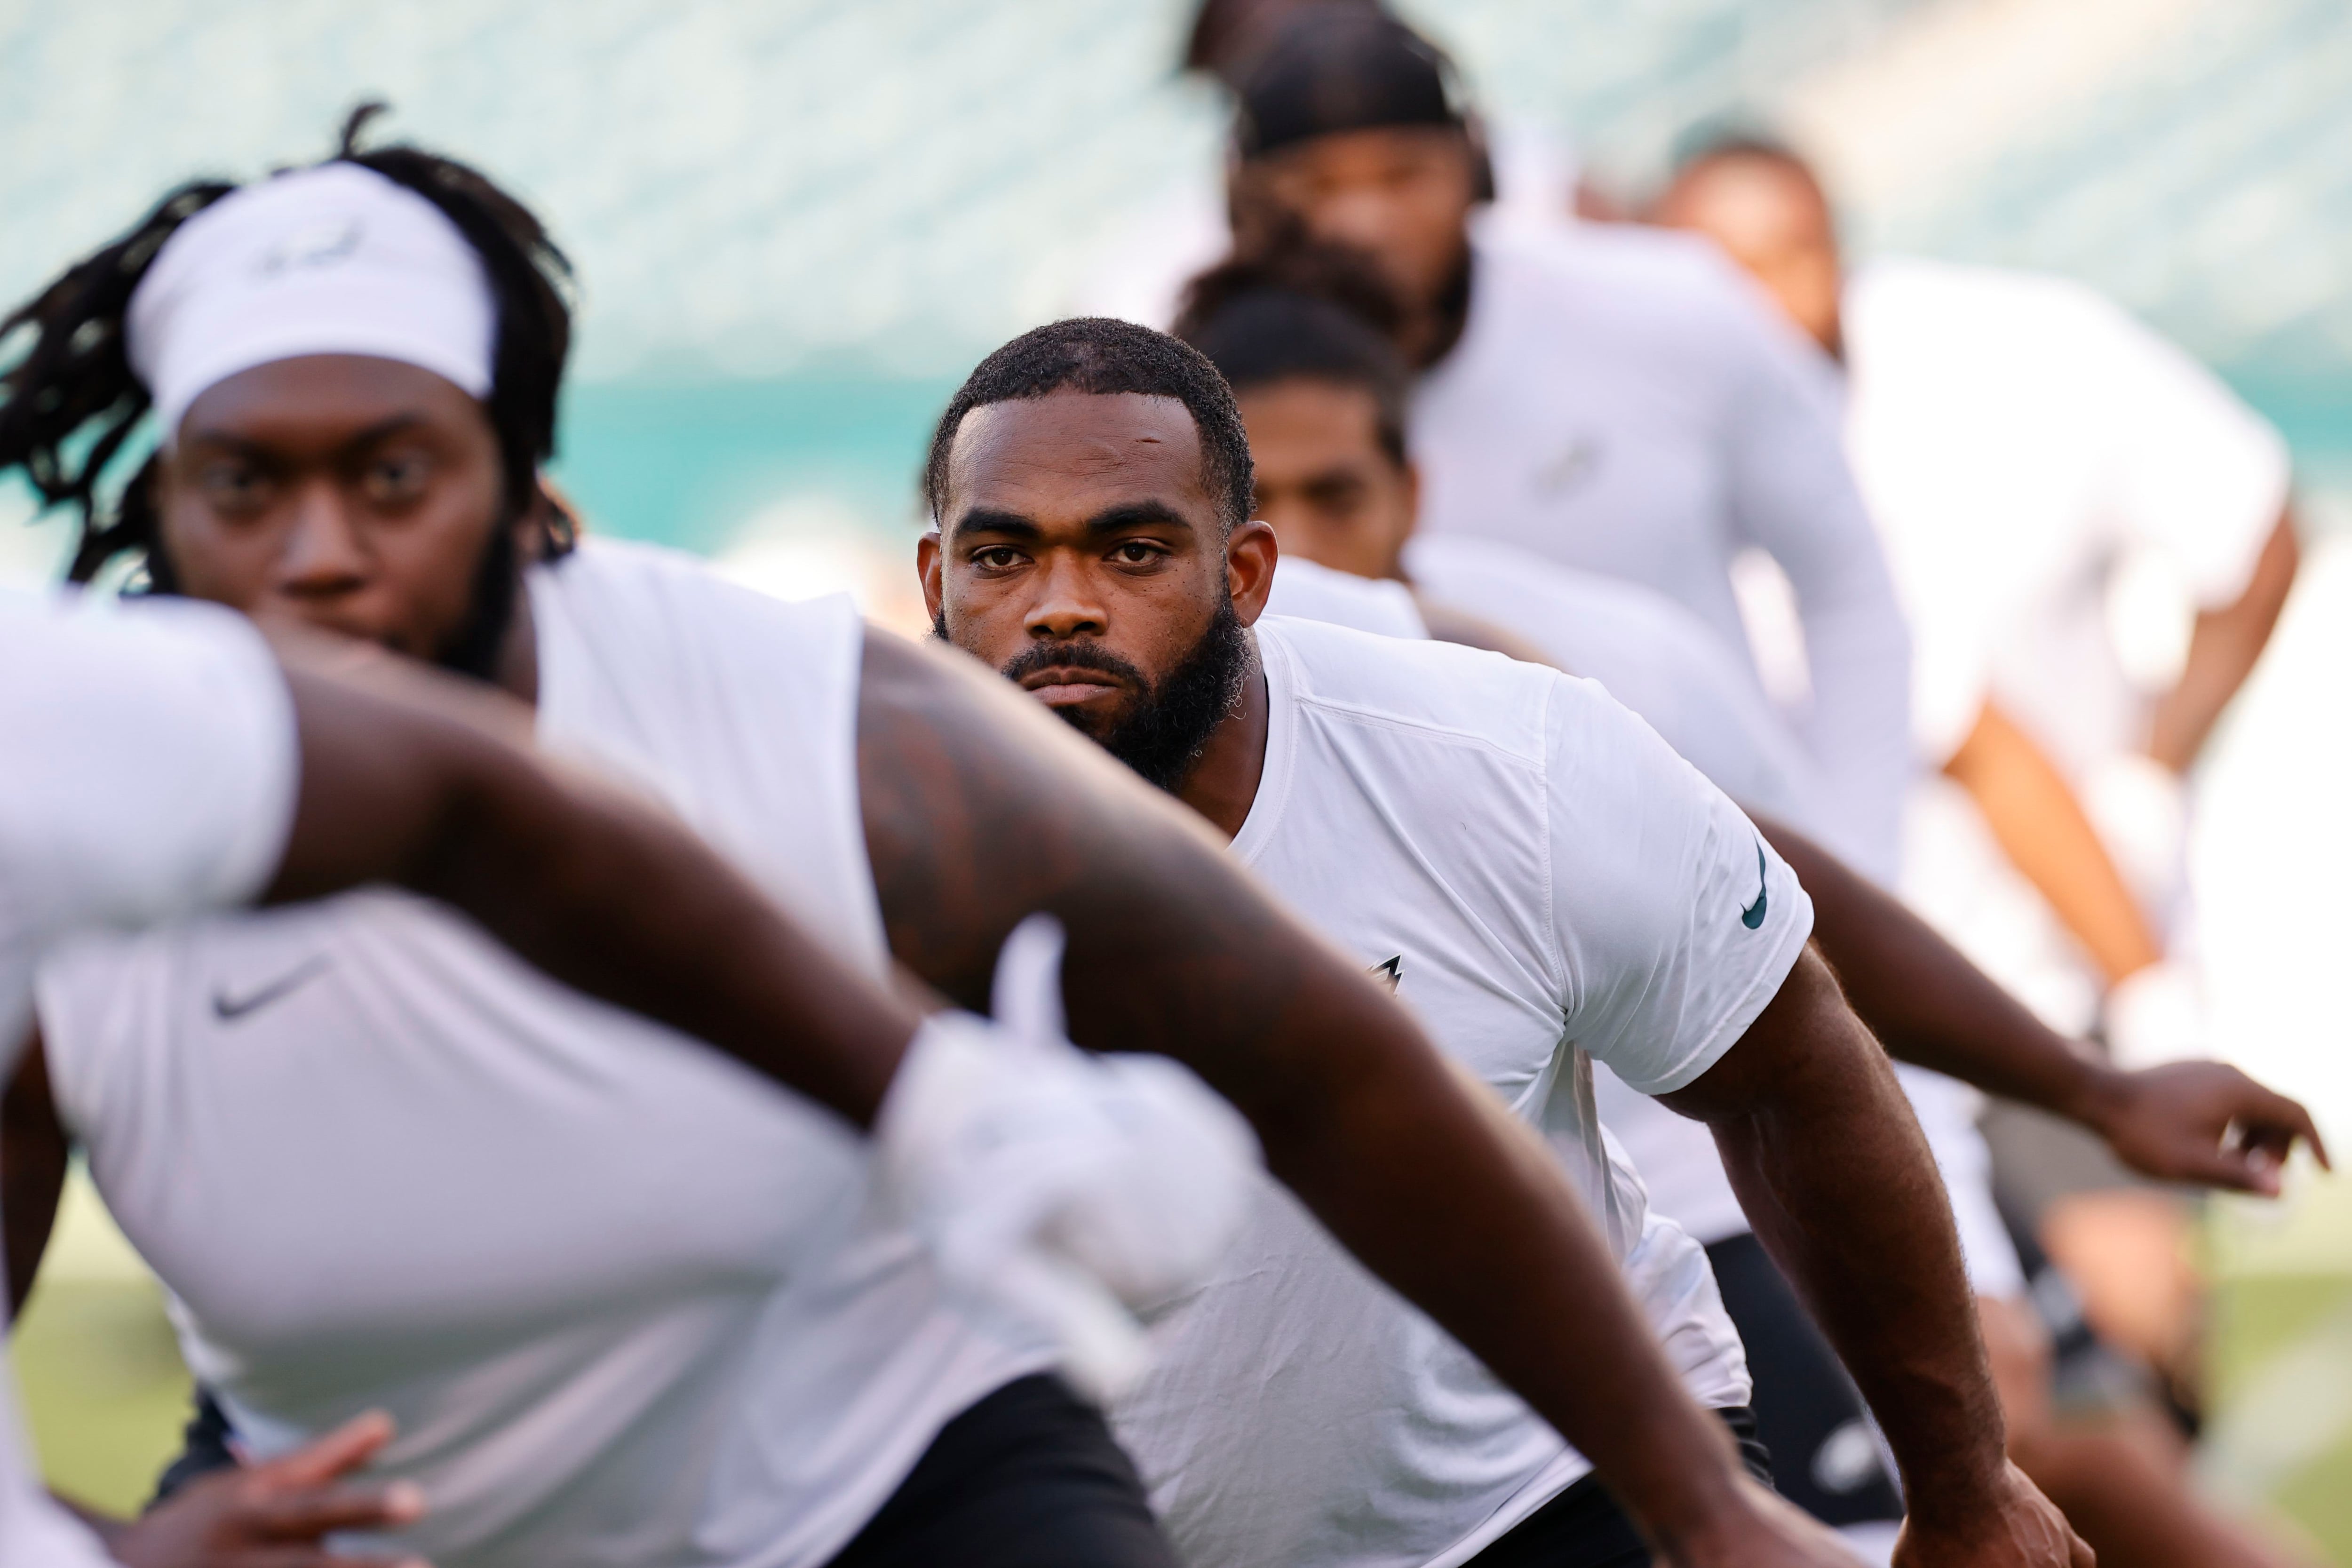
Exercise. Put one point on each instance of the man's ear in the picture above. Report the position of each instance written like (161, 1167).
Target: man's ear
(1250, 560)
(927, 564)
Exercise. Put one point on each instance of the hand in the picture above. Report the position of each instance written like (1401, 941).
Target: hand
(1761, 1529)
(2017, 1526)
(279, 1513)
(1055, 1190)
(2176, 1122)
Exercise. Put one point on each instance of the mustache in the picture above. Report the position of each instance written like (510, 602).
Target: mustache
(1080, 653)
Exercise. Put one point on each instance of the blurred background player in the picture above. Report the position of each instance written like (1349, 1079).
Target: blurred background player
(1322, 394)
(2024, 445)
(1608, 398)
(1139, 275)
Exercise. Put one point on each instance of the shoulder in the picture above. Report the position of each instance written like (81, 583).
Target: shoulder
(2000, 310)
(646, 595)
(1439, 693)
(1306, 591)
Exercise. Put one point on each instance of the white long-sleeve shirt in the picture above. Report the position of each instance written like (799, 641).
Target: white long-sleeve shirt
(1622, 402)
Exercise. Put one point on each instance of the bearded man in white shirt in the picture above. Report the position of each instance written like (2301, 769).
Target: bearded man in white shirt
(1606, 398)
(1526, 862)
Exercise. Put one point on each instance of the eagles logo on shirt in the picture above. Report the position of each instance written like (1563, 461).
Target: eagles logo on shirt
(1388, 973)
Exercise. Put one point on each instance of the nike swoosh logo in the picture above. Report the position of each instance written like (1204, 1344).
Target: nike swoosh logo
(228, 1009)
(1753, 915)
(1388, 973)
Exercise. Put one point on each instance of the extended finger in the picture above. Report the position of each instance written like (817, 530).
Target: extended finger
(322, 1459)
(2277, 1121)
(308, 1515)
(311, 1557)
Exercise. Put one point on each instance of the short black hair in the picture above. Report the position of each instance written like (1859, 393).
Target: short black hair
(1104, 356)
(1311, 315)
(1333, 68)
(70, 403)
(1722, 141)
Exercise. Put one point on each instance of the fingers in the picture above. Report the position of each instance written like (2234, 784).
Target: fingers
(316, 1557)
(2080, 1554)
(308, 1515)
(322, 1459)
(2291, 1121)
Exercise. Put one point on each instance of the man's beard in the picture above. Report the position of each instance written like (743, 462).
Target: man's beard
(1164, 734)
(474, 648)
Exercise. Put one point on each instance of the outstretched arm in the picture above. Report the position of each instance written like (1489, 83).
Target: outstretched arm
(1859, 1223)
(2040, 825)
(980, 808)
(1930, 1007)
(2223, 651)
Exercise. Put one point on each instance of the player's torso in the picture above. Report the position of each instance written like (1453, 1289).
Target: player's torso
(1576, 419)
(1301, 1413)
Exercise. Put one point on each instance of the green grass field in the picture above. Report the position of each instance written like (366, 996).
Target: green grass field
(107, 1392)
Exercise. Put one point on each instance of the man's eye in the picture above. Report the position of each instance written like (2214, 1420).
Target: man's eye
(395, 479)
(1137, 553)
(234, 486)
(996, 558)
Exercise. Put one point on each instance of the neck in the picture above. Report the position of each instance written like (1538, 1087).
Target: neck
(1223, 783)
(1433, 330)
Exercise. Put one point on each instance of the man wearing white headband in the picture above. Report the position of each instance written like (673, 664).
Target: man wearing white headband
(622, 1314)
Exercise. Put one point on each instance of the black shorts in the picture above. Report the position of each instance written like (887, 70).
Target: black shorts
(1826, 1457)
(1028, 1477)
(1584, 1527)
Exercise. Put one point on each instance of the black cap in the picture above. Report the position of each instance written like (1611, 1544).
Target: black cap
(1340, 67)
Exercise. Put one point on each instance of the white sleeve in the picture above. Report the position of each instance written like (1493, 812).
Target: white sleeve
(1793, 496)
(1676, 921)
(152, 770)
(2190, 469)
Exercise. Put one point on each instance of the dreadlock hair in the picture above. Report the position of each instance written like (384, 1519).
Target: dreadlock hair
(72, 401)
(1099, 355)
(1307, 311)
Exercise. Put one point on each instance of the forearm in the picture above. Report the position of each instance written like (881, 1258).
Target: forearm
(2223, 650)
(2041, 827)
(1923, 999)
(1833, 1173)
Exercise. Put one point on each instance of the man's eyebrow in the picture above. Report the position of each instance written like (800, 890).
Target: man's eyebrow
(986, 520)
(1139, 514)
(1129, 514)
(246, 445)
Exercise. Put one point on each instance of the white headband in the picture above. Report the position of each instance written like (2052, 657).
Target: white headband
(332, 259)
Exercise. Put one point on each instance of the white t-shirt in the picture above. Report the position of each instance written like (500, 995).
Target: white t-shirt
(151, 771)
(2018, 438)
(1547, 885)
(622, 1296)
(1308, 592)
(1622, 402)
(1656, 657)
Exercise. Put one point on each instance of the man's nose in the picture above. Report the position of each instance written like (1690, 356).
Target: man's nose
(1066, 605)
(323, 554)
